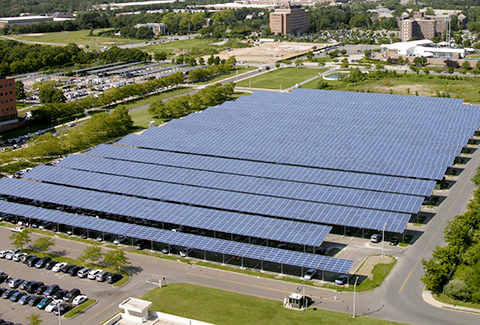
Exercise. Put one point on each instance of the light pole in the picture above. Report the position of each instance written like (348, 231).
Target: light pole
(383, 238)
(58, 308)
(354, 293)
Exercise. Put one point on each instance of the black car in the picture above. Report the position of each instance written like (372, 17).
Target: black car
(24, 284)
(3, 277)
(35, 300)
(112, 278)
(394, 241)
(8, 293)
(17, 295)
(67, 268)
(59, 294)
(30, 288)
(42, 262)
(24, 300)
(27, 258)
(31, 262)
(71, 295)
(51, 290)
(2, 290)
(61, 309)
(74, 270)
(14, 283)
(41, 290)
(51, 264)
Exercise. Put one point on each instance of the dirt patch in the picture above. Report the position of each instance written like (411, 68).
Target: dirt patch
(371, 261)
(33, 34)
(271, 52)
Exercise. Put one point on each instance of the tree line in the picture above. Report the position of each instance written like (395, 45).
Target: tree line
(181, 106)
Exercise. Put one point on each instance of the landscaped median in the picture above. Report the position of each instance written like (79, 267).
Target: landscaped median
(79, 309)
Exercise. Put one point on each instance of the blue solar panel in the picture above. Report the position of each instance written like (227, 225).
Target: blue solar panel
(214, 220)
(268, 254)
(343, 131)
(142, 208)
(243, 184)
(270, 171)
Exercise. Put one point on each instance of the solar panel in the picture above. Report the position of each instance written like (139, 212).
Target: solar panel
(271, 171)
(142, 208)
(215, 245)
(243, 184)
(409, 137)
(220, 221)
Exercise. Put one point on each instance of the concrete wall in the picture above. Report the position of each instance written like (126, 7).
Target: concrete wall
(177, 319)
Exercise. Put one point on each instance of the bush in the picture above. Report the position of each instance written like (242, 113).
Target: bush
(456, 289)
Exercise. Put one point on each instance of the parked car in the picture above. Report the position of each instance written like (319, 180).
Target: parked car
(52, 304)
(10, 254)
(14, 283)
(83, 273)
(35, 300)
(119, 240)
(8, 293)
(30, 288)
(4, 253)
(142, 244)
(17, 229)
(44, 302)
(114, 277)
(59, 266)
(51, 290)
(51, 264)
(42, 262)
(59, 294)
(168, 249)
(32, 261)
(2, 290)
(41, 290)
(24, 300)
(25, 258)
(310, 274)
(74, 270)
(185, 252)
(17, 295)
(3, 277)
(92, 275)
(78, 300)
(24, 284)
(102, 276)
(67, 268)
(376, 238)
(394, 241)
(341, 280)
(17, 257)
(71, 295)
(61, 309)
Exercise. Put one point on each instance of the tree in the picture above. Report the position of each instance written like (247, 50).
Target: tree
(20, 239)
(309, 55)
(162, 56)
(116, 259)
(34, 319)
(91, 254)
(466, 65)
(43, 244)
(277, 65)
(298, 63)
(477, 65)
(19, 90)
(201, 61)
(344, 64)
(456, 289)
(50, 94)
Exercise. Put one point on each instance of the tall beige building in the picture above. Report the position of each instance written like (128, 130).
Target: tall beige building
(290, 19)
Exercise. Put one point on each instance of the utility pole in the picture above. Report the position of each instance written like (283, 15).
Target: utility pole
(383, 239)
(354, 293)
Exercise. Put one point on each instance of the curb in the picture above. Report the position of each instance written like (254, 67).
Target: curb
(96, 302)
(427, 296)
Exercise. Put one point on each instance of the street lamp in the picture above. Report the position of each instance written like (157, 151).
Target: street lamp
(354, 293)
(58, 308)
(383, 238)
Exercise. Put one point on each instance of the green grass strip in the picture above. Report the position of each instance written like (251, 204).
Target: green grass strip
(77, 310)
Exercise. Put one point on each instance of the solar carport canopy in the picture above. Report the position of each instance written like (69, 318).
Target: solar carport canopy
(395, 135)
(268, 254)
(231, 201)
(299, 174)
(213, 220)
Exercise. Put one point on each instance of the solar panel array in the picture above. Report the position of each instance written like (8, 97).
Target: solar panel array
(336, 130)
(230, 201)
(268, 254)
(242, 184)
(214, 220)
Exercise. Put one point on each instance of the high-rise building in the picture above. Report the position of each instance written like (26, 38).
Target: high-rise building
(422, 27)
(8, 103)
(290, 19)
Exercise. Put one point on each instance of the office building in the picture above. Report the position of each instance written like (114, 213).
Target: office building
(422, 27)
(8, 103)
(290, 19)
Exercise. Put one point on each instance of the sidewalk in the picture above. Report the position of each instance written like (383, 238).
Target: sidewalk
(428, 297)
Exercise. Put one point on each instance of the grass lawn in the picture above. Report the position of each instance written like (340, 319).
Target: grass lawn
(77, 310)
(223, 307)
(425, 85)
(227, 75)
(78, 37)
(280, 78)
(447, 300)
(194, 47)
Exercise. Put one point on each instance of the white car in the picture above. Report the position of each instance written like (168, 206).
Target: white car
(53, 304)
(78, 300)
(92, 275)
(83, 273)
(376, 238)
(57, 267)
(10, 254)
(4, 253)
(119, 239)
(341, 280)
(17, 229)
(310, 274)
(185, 252)
(17, 257)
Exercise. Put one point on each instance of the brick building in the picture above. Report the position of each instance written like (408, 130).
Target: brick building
(8, 103)
(422, 27)
(290, 19)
